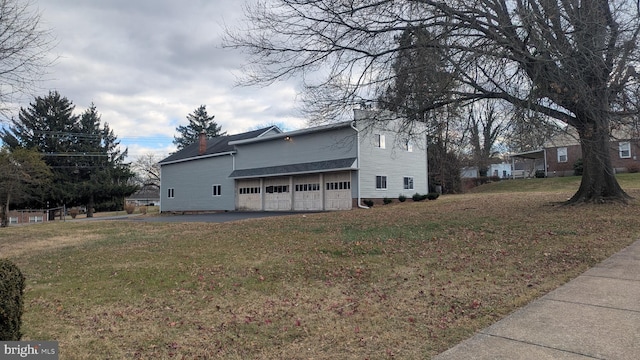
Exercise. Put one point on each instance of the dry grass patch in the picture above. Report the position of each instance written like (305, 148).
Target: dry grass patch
(398, 281)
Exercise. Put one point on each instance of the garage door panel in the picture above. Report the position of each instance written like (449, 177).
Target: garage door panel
(307, 193)
(249, 195)
(338, 191)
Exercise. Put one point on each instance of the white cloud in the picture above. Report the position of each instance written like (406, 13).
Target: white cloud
(147, 64)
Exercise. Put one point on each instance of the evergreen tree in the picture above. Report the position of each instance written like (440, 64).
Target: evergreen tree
(87, 164)
(199, 121)
(22, 173)
(103, 175)
(419, 81)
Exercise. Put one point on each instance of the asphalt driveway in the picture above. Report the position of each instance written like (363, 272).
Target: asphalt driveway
(212, 217)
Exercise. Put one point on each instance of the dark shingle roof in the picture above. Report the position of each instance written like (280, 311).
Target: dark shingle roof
(216, 145)
(310, 167)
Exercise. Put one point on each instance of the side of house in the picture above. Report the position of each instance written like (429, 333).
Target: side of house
(624, 157)
(329, 167)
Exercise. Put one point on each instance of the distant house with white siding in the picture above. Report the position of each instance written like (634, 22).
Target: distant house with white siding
(329, 167)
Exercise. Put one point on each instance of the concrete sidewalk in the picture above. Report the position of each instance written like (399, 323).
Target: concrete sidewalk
(595, 316)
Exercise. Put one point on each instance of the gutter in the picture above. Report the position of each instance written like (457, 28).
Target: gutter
(358, 163)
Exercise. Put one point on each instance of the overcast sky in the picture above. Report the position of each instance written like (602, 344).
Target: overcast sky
(147, 64)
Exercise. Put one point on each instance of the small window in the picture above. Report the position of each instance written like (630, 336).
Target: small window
(379, 141)
(408, 146)
(408, 183)
(217, 190)
(13, 220)
(170, 193)
(562, 155)
(381, 182)
(624, 149)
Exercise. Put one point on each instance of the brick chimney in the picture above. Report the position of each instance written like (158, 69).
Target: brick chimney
(202, 139)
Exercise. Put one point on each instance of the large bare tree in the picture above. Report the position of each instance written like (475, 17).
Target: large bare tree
(24, 51)
(570, 60)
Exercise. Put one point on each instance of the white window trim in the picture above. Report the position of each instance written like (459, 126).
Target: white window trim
(213, 190)
(412, 183)
(563, 152)
(379, 141)
(171, 193)
(624, 146)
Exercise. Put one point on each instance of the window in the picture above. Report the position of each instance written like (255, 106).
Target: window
(170, 193)
(277, 189)
(35, 219)
(408, 183)
(13, 220)
(562, 155)
(217, 190)
(379, 141)
(381, 182)
(249, 190)
(408, 146)
(339, 185)
(624, 149)
(307, 187)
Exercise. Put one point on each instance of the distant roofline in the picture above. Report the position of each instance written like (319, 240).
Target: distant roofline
(197, 158)
(299, 132)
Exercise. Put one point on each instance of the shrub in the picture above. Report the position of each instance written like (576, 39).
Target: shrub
(633, 169)
(578, 168)
(143, 210)
(387, 201)
(74, 212)
(540, 174)
(418, 197)
(11, 292)
(432, 196)
(129, 208)
(402, 198)
(368, 202)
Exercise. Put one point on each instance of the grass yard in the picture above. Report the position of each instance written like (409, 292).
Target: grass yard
(403, 281)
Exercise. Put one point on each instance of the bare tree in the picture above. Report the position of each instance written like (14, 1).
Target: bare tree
(24, 51)
(485, 126)
(147, 171)
(569, 60)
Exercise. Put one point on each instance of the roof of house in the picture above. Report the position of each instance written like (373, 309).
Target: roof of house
(293, 133)
(145, 193)
(215, 146)
(291, 169)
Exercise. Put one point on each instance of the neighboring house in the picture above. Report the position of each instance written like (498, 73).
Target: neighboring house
(502, 170)
(27, 216)
(330, 167)
(145, 196)
(561, 153)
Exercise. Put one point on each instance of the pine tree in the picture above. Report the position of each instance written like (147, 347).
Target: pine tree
(199, 121)
(87, 164)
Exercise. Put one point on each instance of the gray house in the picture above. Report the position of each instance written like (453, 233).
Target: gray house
(330, 167)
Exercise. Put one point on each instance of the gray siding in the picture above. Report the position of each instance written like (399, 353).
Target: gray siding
(306, 148)
(394, 162)
(192, 182)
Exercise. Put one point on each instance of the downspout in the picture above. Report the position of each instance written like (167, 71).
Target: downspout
(358, 163)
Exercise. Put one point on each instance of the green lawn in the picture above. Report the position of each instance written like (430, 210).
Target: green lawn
(397, 281)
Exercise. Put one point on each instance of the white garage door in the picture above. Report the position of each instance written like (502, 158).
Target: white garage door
(249, 195)
(307, 193)
(277, 194)
(337, 191)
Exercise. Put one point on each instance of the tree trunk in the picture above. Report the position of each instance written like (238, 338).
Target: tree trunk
(91, 204)
(4, 212)
(599, 183)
